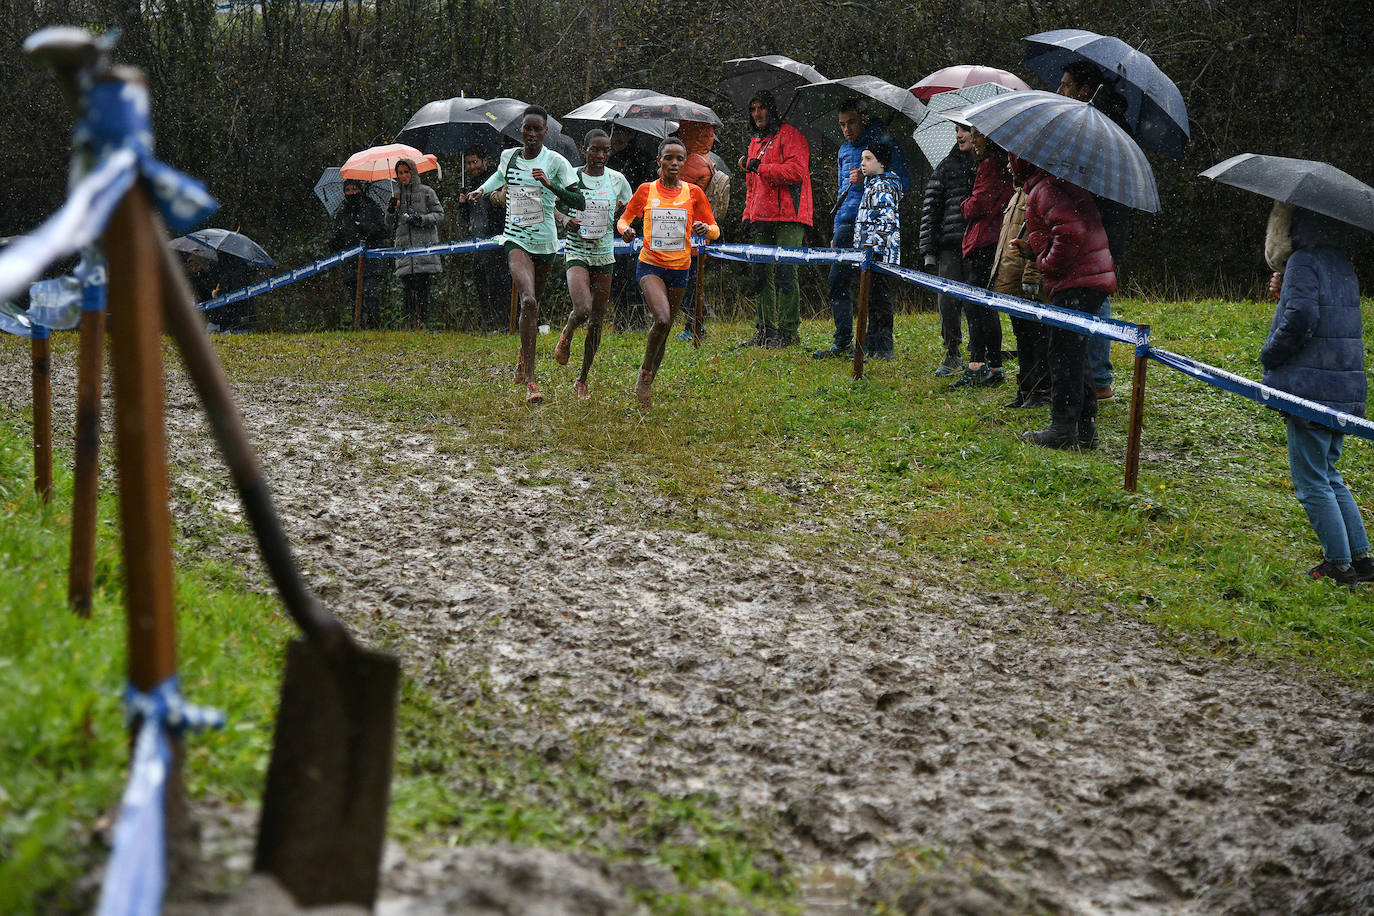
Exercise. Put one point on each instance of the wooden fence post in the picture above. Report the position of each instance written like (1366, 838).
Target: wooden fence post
(41, 347)
(86, 473)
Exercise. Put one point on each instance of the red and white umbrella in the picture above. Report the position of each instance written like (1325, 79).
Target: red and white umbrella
(379, 162)
(957, 77)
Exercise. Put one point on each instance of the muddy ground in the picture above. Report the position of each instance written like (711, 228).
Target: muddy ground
(1053, 760)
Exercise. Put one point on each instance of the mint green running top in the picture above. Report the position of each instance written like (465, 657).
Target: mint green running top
(529, 205)
(595, 241)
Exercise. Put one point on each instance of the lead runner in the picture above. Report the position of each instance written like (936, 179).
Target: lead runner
(535, 179)
(670, 208)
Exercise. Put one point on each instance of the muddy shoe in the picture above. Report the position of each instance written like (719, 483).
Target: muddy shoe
(580, 389)
(1052, 437)
(757, 340)
(952, 364)
(561, 349)
(1343, 573)
(532, 395)
(644, 391)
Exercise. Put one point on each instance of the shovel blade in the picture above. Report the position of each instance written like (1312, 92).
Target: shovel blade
(328, 785)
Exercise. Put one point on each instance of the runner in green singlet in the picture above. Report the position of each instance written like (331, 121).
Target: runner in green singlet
(589, 251)
(535, 179)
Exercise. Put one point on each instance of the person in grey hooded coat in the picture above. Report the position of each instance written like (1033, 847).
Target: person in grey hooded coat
(414, 213)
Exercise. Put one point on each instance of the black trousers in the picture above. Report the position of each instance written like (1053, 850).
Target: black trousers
(984, 324)
(415, 288)
(1073, 396)
(1032, 344)
(492, 276)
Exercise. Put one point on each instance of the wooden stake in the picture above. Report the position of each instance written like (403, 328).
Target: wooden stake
(86, 475)
(861, 331)
(1137, 418)
(141, 451)
(41, 347)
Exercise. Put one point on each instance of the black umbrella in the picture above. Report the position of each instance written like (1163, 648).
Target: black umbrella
(668, 108)
(208, 243)
(1155, 113)
(449, 127)
(1316, 186)
(744, 77)
(606, 109)
(894, 106)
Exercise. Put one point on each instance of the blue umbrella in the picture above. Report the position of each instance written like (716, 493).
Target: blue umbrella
(1155, 112)
(1069, 139)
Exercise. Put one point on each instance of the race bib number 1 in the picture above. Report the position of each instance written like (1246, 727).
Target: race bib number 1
(525, 205)
(596, 219)
(667, 230)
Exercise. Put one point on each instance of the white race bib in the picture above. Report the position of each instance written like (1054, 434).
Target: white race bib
(596, 219)
(525, 204)
(667, 229)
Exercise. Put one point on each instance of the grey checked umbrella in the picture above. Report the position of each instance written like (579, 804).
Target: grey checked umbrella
(935, 135)
(1316, 186)
(329, 189)
(1071, 140)
(607, 107)
(1155, 112)
(208, 243)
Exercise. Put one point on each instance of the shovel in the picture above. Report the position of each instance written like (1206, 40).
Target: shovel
(328, 784)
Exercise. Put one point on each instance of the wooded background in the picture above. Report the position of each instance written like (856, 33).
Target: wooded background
(258, 99)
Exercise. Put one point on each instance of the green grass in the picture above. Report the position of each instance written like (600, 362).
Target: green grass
(895, 473)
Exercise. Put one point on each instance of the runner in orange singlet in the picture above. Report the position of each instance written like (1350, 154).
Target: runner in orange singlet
(672, 212)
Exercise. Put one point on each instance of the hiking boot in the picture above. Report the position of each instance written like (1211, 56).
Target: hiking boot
(970, 378)
(532, 395)
(1052, 437)
(1344, 573)
(760, 336)
(834, 351)
(993, 376)
(1035, 400)
(1016, 403)
(580, 389)
(1087, 435)
(952, 364)
(644, 391)
(780, 340)
(1105, 393)
(1364, 568)
(562, 349)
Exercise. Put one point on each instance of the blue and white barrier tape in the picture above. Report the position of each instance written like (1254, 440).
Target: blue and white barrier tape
(1263, 394)
(137, 874)
(283, 279)
(770, 254)
(1120, 331)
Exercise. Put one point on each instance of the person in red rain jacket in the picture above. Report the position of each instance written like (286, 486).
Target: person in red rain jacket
(982, 211)
(1065, 233)
(777, 210)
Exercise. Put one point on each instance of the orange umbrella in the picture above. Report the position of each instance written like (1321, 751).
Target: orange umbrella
(380, 162)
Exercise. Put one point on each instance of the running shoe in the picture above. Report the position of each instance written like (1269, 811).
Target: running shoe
(580, 389)
(532, 395)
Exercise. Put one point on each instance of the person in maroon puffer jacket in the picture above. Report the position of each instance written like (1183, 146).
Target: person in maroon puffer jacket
(982, 211)
(1064, 232)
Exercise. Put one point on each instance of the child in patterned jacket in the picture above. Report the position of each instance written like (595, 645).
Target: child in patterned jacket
(879, 227)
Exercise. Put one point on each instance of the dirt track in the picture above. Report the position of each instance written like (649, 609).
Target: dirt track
(1057, 761)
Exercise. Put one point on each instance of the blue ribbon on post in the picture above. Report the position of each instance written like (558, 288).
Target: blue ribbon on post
(137, 873)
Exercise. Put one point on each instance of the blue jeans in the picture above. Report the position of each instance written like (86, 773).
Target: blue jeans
(841, 287)
(1312, 454)
(1100, 351)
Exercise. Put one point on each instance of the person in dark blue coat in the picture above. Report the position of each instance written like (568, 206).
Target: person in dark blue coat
(859, 131)
(1315, 350)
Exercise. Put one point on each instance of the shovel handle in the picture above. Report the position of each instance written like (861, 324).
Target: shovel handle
(321, 627)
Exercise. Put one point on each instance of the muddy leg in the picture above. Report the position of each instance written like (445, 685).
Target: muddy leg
(601, 294)
(522, 276)
(579, 287)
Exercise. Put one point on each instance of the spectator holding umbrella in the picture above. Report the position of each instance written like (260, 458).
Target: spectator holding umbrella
(484, 218)
(1083, 80)
(360, 221)
(860, 132)
(982, 211)
(1065, 234)
(942, 238)
(414, 213)
(777, 209)
(1014, 274)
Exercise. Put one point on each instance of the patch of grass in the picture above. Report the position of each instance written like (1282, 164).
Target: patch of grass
(776, 447)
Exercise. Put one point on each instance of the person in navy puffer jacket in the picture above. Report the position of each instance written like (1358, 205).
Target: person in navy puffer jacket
(1315, 350)
(859, 131)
